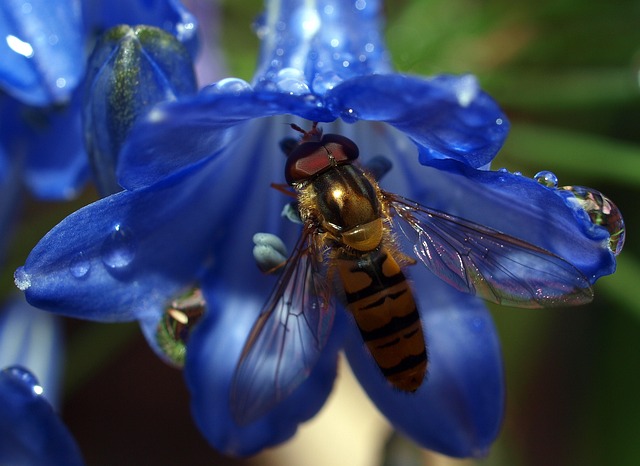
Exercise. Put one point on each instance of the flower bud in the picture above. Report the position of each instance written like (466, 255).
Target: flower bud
(131, 69)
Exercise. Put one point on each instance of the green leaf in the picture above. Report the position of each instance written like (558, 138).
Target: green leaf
(538, 89)
(621, 287)
(583, 155)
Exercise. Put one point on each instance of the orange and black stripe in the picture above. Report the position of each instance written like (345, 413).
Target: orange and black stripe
(381, 301)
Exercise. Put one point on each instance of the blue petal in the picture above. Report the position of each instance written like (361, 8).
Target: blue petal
(318, 45)
(43, 51)
(520, 207)
(46, 144)
(459, 408)
(169, 232)
(125, 255)
(178, 135)
(56, 166)
(170, 15)
(446, 116)
(31, 431)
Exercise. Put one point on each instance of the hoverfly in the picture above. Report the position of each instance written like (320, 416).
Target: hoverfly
(347, 235)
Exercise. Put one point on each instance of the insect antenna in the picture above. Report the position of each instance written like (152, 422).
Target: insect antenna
(314, 134)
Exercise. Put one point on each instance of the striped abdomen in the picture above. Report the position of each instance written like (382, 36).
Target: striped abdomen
(380, 299)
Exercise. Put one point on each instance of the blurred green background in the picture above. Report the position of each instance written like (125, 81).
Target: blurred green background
(567, 74)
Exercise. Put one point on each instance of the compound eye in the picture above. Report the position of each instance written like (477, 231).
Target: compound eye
(306, 160)
(342, 148)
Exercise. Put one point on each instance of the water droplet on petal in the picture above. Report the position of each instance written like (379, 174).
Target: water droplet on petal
(292, 80)
(118, 249)
(180, 316)
(601, 211)
(233, 86)
(24, 377)
(293, 86)
(546, 178)
(290, 73)
(22, 279)
(80, 266)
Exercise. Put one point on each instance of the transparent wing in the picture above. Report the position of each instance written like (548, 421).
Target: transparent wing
(492, 265)
(286, 340)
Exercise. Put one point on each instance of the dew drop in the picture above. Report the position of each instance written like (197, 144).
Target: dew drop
(24, 377)
(22, 279)
(290, 73)
(293, 86)
(601, 211)
(118, 249)
(181, 314)
(233, 86)
(292, 80)
(80, 266)
(546, 178)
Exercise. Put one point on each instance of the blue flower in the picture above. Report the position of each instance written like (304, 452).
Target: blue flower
(32, 433)
(197, 177)
(42, 66)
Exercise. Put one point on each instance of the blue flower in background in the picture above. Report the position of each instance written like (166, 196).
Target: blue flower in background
(197, 177)
(32, 338)
(42, 66)
(32, 433)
